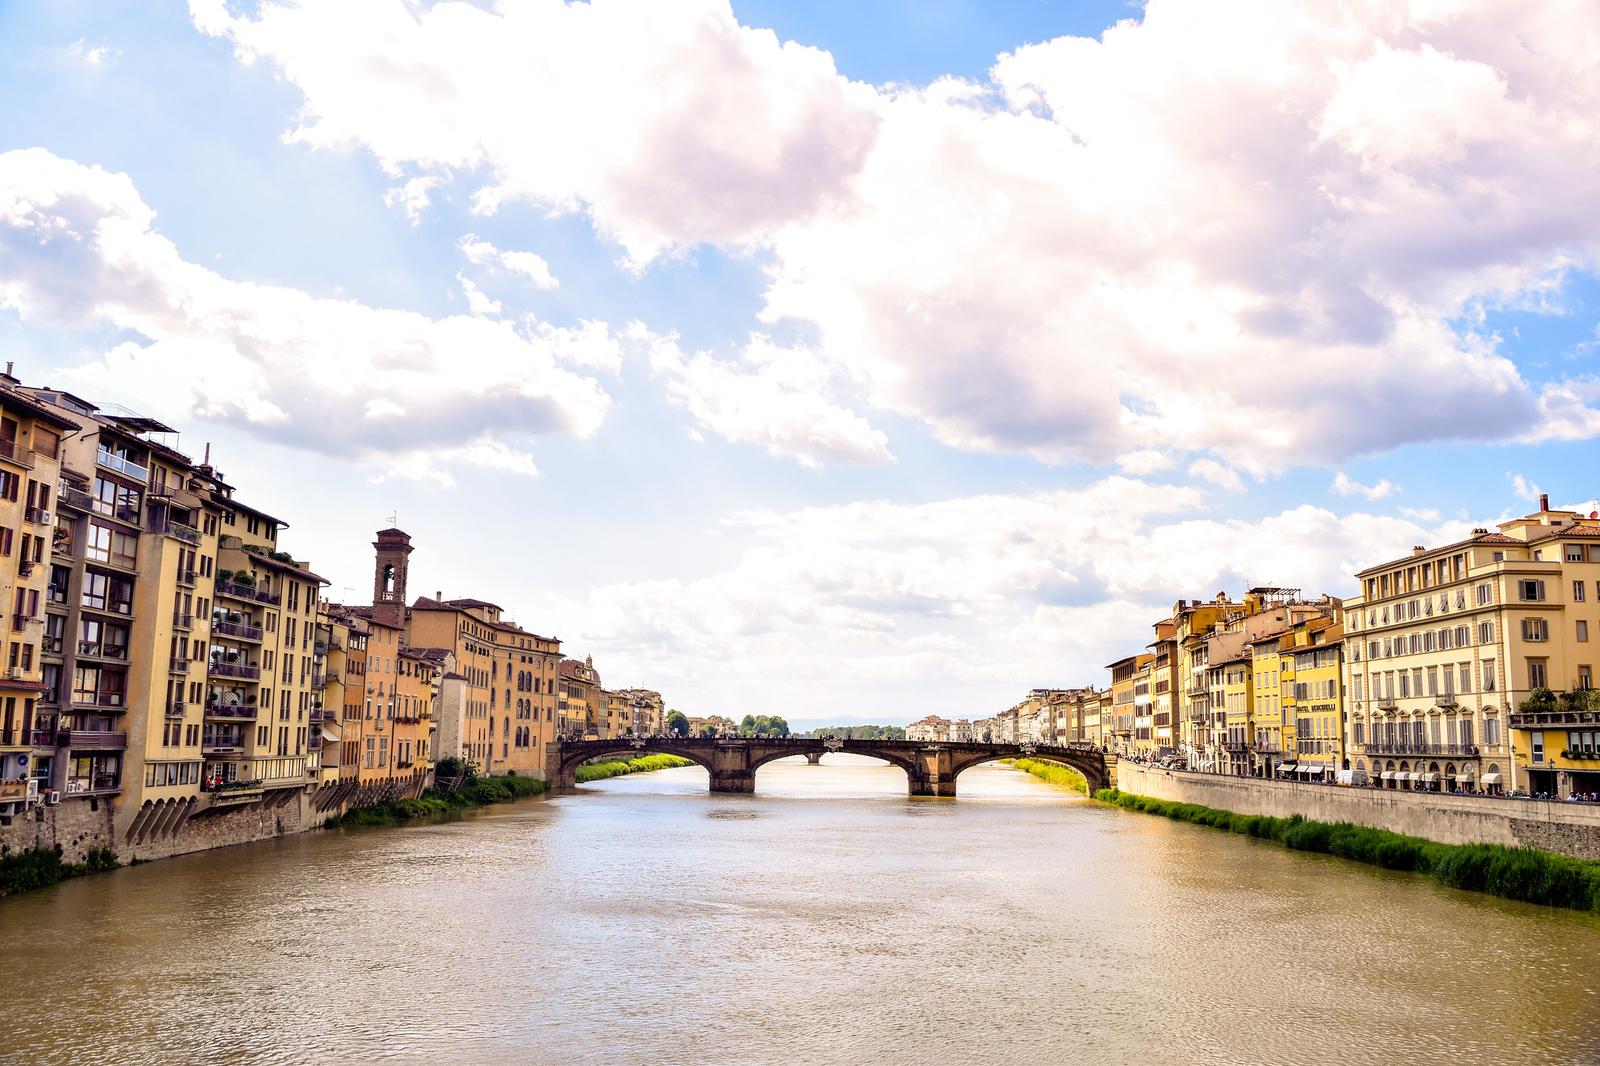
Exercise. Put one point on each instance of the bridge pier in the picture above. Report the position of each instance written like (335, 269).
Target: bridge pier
(814, 758)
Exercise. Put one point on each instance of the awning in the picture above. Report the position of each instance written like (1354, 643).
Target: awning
(1491, 779)
(1430, 777)
(1286, 768)
(1388, 775)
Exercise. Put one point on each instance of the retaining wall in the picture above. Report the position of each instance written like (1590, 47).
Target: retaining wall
(1568, 828)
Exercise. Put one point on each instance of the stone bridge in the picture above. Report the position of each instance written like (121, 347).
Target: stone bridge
(931, 767)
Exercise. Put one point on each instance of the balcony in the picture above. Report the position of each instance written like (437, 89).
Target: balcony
(240, 670)
(314, 742)
(317, 679)
(175, 708)
(238, 590)
(37, 515)
(182, 621)
(91, 738)
(93, 784)
(122, 465)
(91, 649)
(1580, 754)
(20, 620)
(242, 630)
(43, 738)
(1387, 703)
(1559, 719)
(331, 677)
(179, 665)
(186, 577)
(52, 645)
(222, 744)
(231, 711)
(320, 715)
(12, 453)
(1407, 747)
(187, 534)
(1449, 699)
(77, 499)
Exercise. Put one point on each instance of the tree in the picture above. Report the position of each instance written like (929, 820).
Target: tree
(777, 727)
(747, 726)
(677, 724)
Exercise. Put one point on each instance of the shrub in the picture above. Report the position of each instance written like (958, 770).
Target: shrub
(1525, 874)
(1052, 773)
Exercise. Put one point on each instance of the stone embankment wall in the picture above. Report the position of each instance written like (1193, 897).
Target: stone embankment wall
(79, 827)
(82, 825)
(1567, 828)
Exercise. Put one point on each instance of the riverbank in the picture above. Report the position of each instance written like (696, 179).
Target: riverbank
(476, 792)
(1519, 873)
(599, 771)
(41, 867)
(1053, 773)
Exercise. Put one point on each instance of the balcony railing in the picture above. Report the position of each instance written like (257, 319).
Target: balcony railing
(94, 649)
(178, 664)
(93, 783)
(44, 738)
(20, 456)
(74, 498)
(221, 669)
(187, 534)
(316, 678)
(314, 742)
(243, 630)
(1387, 703)
(222, 744)
(175, 708)
(242, 711)
(181, 620)
(91, 738)
(186, 577)
(124, 466)
(1407, 747)
(52, 645)
(21, 619)
(1541, 719)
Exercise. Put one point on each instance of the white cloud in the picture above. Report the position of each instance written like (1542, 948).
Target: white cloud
(92, 54)
(413, 196)
(530, 266)
(1345, 485)
(1524, 489)
(1420, 514)
(1219, 474)
(477, 302)
(778, 398)
(1243, 230)
(966, 597)
(392, 388)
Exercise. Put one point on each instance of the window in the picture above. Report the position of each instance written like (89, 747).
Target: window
(107, 545)
(1491, 731)
(1583, 630)
(1488, 675)
(1485, 632)
(1574, 553)
(1535, 629)
(1530, 591)
(1538, 676)
(1485, 593)
(1585, 677)
(1536, 744)
(1577, 591)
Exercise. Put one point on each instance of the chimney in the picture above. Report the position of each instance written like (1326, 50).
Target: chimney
(1544, 501)
(1417, 549)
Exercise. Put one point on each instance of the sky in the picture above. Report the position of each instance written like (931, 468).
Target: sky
(841, 360)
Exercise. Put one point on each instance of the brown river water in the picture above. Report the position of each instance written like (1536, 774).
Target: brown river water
(826, 919)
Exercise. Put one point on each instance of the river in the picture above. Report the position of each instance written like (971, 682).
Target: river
(826, 919)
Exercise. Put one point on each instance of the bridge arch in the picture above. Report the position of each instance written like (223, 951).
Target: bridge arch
(915, 771)
(1091, 767)
(565, 773)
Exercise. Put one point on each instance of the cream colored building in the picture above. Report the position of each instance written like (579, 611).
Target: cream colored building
(1445, 645)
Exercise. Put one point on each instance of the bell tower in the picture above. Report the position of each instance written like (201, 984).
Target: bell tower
(393, 548)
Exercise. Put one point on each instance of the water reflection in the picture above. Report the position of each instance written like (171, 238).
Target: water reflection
(828, 918)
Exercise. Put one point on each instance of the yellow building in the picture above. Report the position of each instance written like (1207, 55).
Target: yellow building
(1469, 664)
(1165, 737)
(30, 481)
(1124, 701)
(578, 709)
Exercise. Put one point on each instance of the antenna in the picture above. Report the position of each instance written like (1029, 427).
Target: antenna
(394, 518)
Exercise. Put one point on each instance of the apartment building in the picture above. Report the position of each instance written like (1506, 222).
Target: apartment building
(171, 636)
(1470, 664)
(1124, 682)
(31, 759)
(578, 707)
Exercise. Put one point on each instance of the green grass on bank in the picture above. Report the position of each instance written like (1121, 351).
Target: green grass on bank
(476, 792)
(1525, 874)
(40, 867)
(599, 771)
(1053, 773)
